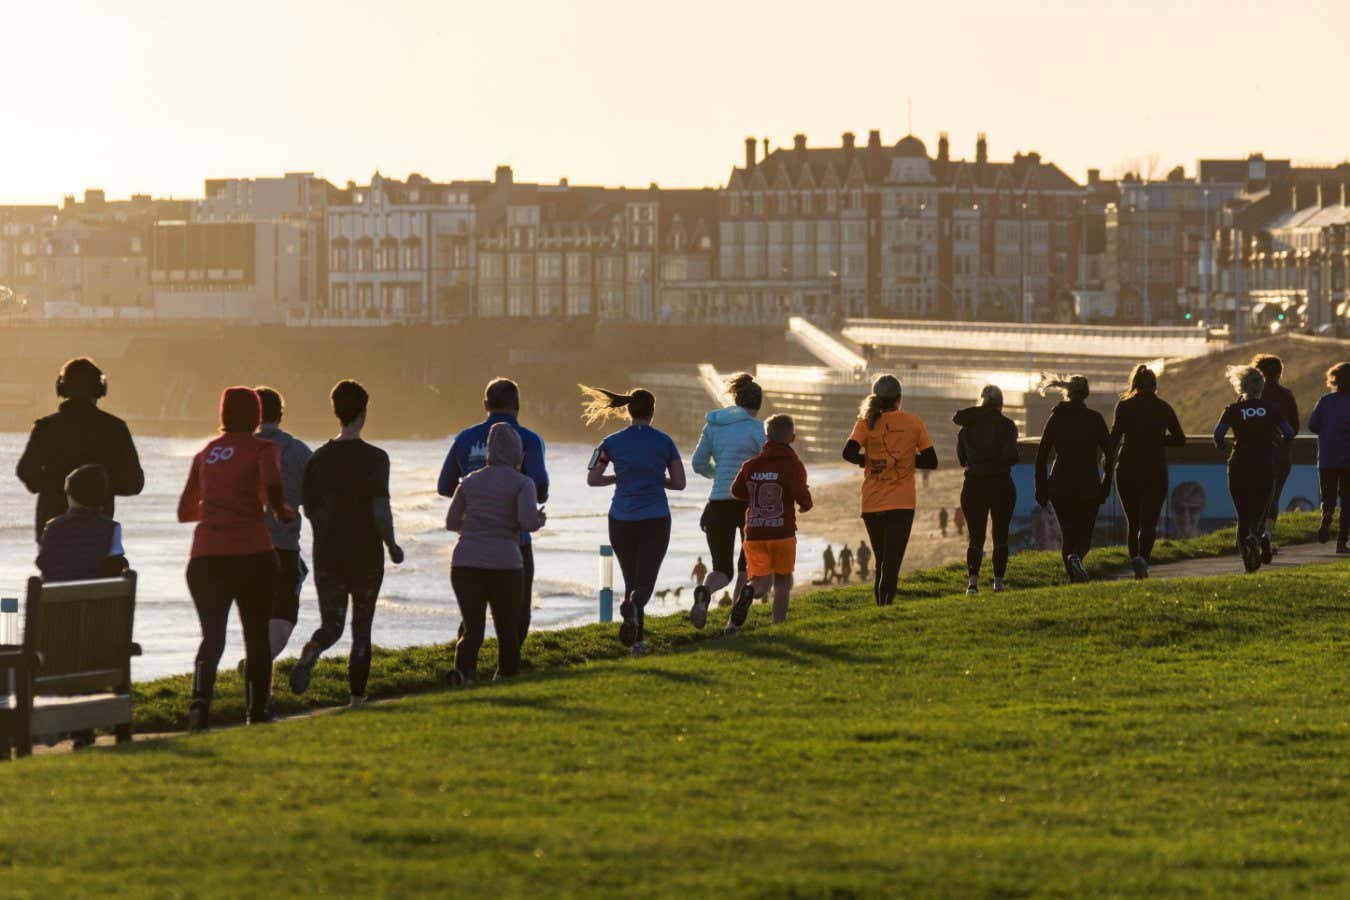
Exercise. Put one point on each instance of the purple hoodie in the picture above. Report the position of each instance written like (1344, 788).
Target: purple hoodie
(493, 506)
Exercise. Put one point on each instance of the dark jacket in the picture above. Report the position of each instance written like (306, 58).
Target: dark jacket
(1144, 426)
(1281, 401)
(78, 545)
(77, 434)
(986, 445)
(1077, 437)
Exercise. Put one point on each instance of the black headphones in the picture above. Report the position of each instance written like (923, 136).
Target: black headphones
(100, 389)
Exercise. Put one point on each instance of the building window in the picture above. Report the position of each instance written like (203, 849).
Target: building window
(364, 252)
(412, 254)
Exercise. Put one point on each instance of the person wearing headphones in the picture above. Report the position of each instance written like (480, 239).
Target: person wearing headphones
(78, 434)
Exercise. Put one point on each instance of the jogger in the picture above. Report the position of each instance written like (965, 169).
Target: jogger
(1256, 428)
(1282, 402)
(1330, 421)
(292, 570)
(986, 447)
(1075, 486)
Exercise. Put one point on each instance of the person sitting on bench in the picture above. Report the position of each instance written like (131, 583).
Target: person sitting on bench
(82, 543)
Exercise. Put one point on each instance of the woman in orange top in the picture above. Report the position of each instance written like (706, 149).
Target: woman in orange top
(890, 445)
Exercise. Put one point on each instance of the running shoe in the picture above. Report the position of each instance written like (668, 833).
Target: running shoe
(1140, 566)
(998, 586)
(266, 717)
(199, 715)
(1076, 567)
(639, 649)
(303, 670)
(456, 679)
(1343, 546)
(731, 629)
(698, 615)
(972, 586)
(628, 630)
(1267, 551)
(1324, 530)
(741, 609)
(357, 701)
(1251, 553)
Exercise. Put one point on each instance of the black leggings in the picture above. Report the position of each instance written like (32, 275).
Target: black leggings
(888, 532)
(524, 610)
(362, 588)
(721, 521)
(640, 547)
(982, 499)
(1281, 475)
(477, 591)
(1142, 494)
(215, 583)
(1250, 488)
(1335, 485)
(1077, 519)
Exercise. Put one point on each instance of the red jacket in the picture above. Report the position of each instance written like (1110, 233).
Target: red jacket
(773, 483)
(230, 481)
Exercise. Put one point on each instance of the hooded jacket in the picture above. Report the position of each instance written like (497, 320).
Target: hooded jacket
(493, 506)
(731, 436)
(295, 453)
(1077, 437)
(986, 445)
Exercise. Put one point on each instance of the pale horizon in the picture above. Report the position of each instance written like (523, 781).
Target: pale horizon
(159, 99)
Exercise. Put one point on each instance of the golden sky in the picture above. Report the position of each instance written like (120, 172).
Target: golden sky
(155, 95)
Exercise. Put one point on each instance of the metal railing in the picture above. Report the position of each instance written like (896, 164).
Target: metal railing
(1081, 340)
(825, 346)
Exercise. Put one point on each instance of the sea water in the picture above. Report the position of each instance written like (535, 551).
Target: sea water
(416, 604)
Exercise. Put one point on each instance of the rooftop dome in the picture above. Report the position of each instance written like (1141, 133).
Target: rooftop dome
(911, 146)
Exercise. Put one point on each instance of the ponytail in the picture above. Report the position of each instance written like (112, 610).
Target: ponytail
(1073, 387)
(744, 392)
(599, 404)
(885, 397)
(1142, 381)
(1247, 380)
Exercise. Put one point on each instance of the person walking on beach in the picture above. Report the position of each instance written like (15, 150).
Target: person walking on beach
(845, 564)
(730, 436)
(468, 453)
(346, 495)
(827, 565)
(646, 465)
(700, 571)
(959, 518)
(942, 521)
(1075, 486)
(1330, 421)
(986, 447)
(890, 445)
(232, 559)
(864, 556)
(492, 507)
(773, 485)
(1143, 427)
(1281, 400)
(78, 434)
(1256, 429)
(291, 570)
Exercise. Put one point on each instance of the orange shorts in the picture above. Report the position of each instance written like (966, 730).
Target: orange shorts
(776, 557)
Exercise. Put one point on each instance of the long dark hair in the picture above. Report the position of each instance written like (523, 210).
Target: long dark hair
(885, 396)
(599, 404)
(1142, 381)
(1338, 377)
(743, 390)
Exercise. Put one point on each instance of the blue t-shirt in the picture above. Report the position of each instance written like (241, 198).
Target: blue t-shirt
(468, 454)
(641, 456)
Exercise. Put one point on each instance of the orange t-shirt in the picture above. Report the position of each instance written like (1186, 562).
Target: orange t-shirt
(890, 446)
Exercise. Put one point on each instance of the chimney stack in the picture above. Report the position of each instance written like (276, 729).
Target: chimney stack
(981, 149)
(848, 142)
(766, 149)
(750, 153)
(944, 148)
(799, 143)
(874, 140)
(503, 177)
(1094, 177)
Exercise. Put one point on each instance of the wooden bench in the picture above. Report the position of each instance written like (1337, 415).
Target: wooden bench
(73, 670)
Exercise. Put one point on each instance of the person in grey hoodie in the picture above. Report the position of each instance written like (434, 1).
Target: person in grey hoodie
(292, 570)
(731, 436)
(491, 508)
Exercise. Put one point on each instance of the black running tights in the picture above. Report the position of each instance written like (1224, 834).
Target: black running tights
(641, 548)
(1077, 518)
(984, 499)
(1335, 486)
(1142, 494)
(888, 532)
(1250, 488)
(216, 583)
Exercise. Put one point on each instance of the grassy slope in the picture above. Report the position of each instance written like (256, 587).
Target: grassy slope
(1197, 390)
(1120, 738)
(162, 704)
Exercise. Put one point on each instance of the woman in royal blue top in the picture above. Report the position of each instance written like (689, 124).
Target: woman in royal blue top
(1330, 421)
(646, 465)
(1257, 429)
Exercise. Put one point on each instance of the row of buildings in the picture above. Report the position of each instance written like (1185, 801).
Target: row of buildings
(864, 228)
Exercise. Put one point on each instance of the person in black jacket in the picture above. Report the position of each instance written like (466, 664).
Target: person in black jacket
(986, 447)
(1075, 486)
(1258, 429)
(1280, 399)
(77, 434)
(1144, 426)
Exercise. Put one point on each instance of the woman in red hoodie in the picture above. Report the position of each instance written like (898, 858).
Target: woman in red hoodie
(232, 559)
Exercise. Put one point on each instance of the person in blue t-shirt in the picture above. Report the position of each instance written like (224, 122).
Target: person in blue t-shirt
(1330, 421)
(646, 465)
(468, 453)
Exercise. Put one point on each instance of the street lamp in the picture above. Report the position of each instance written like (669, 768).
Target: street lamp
(1026, 306)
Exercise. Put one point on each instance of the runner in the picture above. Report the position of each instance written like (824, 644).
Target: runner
(986, 447)
(773, 485)
(700, 571)
(845, 564)
(731, 436)
(492, 507)
(1251, 465)
(646, 465)
(889, 444)
(232, 559)
(295, 456)
(77, 434)
(864, 555)
(468, 453)
(1144, 427)
(1075, 486)
(1330, 421)
(346, 495)
(1280, 399)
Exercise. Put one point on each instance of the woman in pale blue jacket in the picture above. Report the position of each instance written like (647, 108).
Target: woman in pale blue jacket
(731, 436)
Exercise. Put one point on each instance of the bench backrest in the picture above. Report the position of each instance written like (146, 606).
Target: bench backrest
(83, 630)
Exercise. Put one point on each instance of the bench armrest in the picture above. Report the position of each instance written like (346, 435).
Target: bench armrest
(20, 661)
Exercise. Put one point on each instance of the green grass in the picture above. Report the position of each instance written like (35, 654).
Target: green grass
(161, 705)
(1120, 738)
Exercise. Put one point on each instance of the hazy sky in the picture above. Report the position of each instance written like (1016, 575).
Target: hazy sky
(155, 95)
